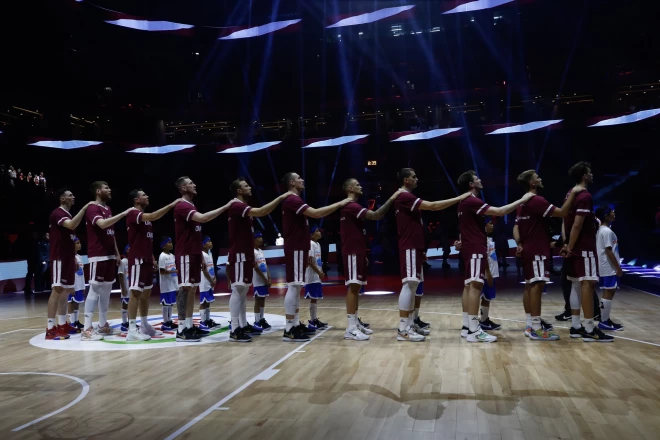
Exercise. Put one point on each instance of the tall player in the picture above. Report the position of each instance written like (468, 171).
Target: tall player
(240, 262)
(582, 269)
(354, 252)
(61, 229)
(531, 221)
(408, 210)
(296, 247)
(471, 213)
(103, 259)
(141, 262)
(188, 233)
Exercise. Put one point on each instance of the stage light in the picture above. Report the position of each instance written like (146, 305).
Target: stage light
(657, 268)
(477, 5)
(250, 148)
(161, 150)
(259, 30)
(379, 292)
(426, 135)
(222, 294)
(336, 141)
(65, 145)
(149, 26)
(628, 119)
(370, 17)
(522, 128)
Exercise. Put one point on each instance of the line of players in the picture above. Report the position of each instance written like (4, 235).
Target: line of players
(531, 234)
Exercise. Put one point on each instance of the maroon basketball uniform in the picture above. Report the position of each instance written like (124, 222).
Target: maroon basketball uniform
(582, 264)
(296, 239)
(241, 243)
(471, 213)
(410, 235)
(140, 253)
(188, 249)
(353, 243)
(531, 218)
(101, 248)
(62, 250)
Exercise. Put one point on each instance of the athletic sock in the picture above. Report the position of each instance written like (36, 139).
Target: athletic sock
(144, 321)
(528, 319)
(607, 308)
(589, 325)
(415, 314)
(170, 309)
(296, 318)
(189, 322)
(50, 323)
(72, 318)
(166, 310)
(575, 321)
(124, 315)
(465, 320)
(473, 323)
(289, 324)
(261, 313)
(352, 322)
(403, 324)
(484, 313)
(75, 315)
(536, 322)
(132, 325)
(312, 310)
(61, 319)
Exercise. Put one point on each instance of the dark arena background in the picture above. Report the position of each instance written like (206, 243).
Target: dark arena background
(138, 93)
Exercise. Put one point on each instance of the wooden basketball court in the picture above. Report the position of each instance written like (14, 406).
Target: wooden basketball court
(329, 388)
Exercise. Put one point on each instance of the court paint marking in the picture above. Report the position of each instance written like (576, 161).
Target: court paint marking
(81, 396)
(20, 330)
(267, 373)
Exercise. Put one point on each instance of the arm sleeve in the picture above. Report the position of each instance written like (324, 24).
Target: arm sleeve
(408, 201)
(295, 204)
(584, 205)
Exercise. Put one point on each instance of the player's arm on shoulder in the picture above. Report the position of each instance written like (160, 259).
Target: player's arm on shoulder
(105, 223)
(439, 205)
(208, 216)
(72, 223)
(326, 210)
(380, 212)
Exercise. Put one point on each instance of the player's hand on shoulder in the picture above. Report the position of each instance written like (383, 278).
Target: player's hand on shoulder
(345, 201)
(286, 194)
(578, 189)
(527, 196)
(465, 195)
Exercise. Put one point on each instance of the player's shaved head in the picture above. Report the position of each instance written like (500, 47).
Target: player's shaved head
(288, 178)
(348, 183)
(180, 182)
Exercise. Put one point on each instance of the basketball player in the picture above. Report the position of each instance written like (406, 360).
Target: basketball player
(261, 282)
(313, 276)
(78, 295)
(240, 262)
(471, 213)
(206, 286)
(354, 253)
(168, 282)
(296, 247)
(581, 252)
(411, 252)
(122, 276)
(188, 229)
(535, 241)
(141, 262)
(61, 228)
(609, 267)
(103, 260)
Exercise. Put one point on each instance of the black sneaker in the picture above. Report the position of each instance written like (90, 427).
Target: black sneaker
(239, 336)
(211, 323)
(421, 324)
(364, 324)
(249, 330)
(199, 332)
(597, 336)
(318, 324)
(172, 325)
(303, 329)
(264, 324)
(79, 325)
(563, 316)
(546, 326)
(597, 317)
(187, 335)
(577, 332)
(295, 335)
(489, 325)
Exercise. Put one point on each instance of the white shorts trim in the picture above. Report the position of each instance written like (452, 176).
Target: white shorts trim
(411, 267)
(239, 270)
(352, 269)
(475, 269)
(184, 261)
(56, 275)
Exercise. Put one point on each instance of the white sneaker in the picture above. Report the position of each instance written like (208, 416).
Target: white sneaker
(134, 335)
(106, 330)
(147, 329)
(528, 331)
(464, 332)
(91, 335)
(355, 334)
(410, 335)
(364, 330)
(481, 336)
(421, 331)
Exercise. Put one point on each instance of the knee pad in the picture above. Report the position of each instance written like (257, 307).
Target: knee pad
(292, 300)
(407, 295)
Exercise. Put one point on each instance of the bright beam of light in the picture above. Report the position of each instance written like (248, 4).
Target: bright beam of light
(426, 135)
(370, 17)
(161, 150)
(250, 148)
(522, 128)
(477, 5)
(628, 119)
(65, 145)
(259, 30)
(150, 26)
(336, 141)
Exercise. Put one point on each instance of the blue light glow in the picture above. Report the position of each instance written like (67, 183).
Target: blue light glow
(370, 17)
(65, 145)
(250, 148)
(522, 128)
(161, 150)
(477, 5)
(336, 141)
(628, 119)
(259, 30)
(149, 26)
(426, 135)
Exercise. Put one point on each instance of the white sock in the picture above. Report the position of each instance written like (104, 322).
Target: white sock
(607, 308)
(189, 322)
(589, 325)
(242, 317)
(234, 307)
(72, 317)
(352, 322)
(261, 313)
(75, 315)
(169, 312)
(403, 324)
(166, 310)
(296, 318)
(132, 325)
(528, 319)
(536, 322)
(415, 314)
(124, 315)
(484, 313)
(90, 304)
(144, 321)
(50, 323)
(61, 319)
(473, 323)
(312, 310)
(289, 324)
(575, 321)
(465, 320)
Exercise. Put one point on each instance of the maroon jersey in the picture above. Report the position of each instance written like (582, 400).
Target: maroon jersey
(62, 246)
(241, 232)
(100, 242)
(188, 233)
(140, 236)
(583, 206)
(531, 218)
(352, 229)
(296, 226)
(471, 212)
(409, 221)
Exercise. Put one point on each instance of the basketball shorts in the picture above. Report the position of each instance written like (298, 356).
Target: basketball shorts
(410, 264)
(77, 297)
(536, 268)
(261, 291)
(420, 286)
(241, 268)
(63, 273)
(141, 274)
(103, 272)
(296, 265)
(314, 291)
(168, 298)
(355, 269)
(206, 297)
(582, 266)
(609, 282)
(488, 292)
(190, 269)
(475, 268)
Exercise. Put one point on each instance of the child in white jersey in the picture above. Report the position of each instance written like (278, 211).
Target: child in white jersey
(206, 286)
(313, 275)
(122, 275)
(489, 290)
(261, 282)
(168, 282)
(609, 267)
(78, 296)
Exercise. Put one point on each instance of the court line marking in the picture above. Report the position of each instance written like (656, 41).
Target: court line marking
(270, 371)
(20, 330)
(81, 396)
(22, 317)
